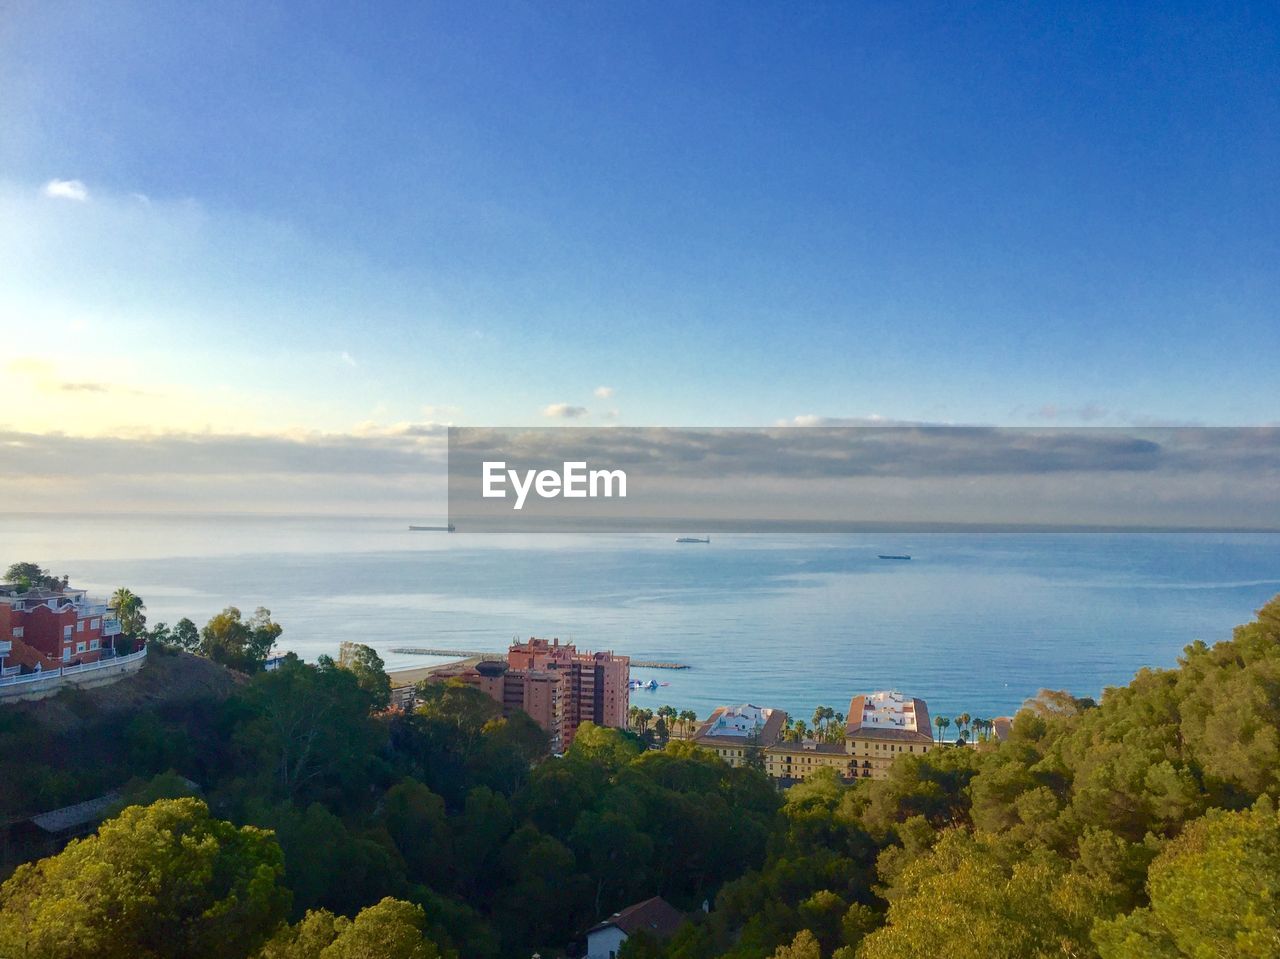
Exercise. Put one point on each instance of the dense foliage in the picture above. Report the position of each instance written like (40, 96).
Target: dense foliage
(1143, 825)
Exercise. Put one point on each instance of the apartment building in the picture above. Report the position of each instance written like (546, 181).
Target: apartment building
(734, 733)
(47, 628)
(557, 685)
(881, 726)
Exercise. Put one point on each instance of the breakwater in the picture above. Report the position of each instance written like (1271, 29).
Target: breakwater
(475, 654)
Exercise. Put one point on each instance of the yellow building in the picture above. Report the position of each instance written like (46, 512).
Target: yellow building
(734, 732)
(881, 726)
(798, 761)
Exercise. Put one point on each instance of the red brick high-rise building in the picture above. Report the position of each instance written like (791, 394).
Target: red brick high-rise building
(558, 686)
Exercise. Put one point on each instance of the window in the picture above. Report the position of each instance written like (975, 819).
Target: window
(93, 644)
(95, 623)
(66, 653)
(80, 626)
(80, 647)
(17, 632)
(66, 632)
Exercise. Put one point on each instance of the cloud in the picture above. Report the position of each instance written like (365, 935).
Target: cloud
(67, 190)
(347, 358)
(1087, 413)
(875, 419)
(563, 411)
(604, 392)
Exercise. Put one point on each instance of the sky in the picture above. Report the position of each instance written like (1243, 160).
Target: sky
(320, 226)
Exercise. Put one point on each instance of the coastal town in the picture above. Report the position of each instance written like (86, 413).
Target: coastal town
(55, 635)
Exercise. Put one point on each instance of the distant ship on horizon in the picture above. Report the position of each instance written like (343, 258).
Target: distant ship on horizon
(432, 529)
(892, 556)
(693, 539)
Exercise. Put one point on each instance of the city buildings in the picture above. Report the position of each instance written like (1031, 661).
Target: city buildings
(44, 628)
(558, 686)
(737, 733)
(880, 727)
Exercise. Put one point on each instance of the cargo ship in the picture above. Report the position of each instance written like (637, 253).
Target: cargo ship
(892, 556)
(693, 539)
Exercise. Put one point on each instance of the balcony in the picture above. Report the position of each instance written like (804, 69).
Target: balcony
(110, 627)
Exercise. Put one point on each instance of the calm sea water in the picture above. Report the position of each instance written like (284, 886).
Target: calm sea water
(974, 622)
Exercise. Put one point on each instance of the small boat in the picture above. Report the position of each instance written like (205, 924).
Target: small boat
(891, 556)
(693, 539)
(431, 529)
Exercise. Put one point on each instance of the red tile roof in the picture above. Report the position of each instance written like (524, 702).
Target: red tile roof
(655, 916)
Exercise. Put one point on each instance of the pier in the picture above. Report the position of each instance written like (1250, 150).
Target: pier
(479, 655)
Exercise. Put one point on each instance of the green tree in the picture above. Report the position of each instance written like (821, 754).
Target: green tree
(415, 819)
(32, 576)
(306, 730)
(390, 929)
(1215, 891)
(803, 946)
(128, 606)
(165, 880)
(369, 671)
(239, 643)
(975, 898)
(185, 635)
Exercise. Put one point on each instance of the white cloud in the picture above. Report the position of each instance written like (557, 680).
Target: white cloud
(604, 392)
(347, 358)
(67, 190)
(563, 411)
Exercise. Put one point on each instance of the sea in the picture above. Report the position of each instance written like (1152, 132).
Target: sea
(973, 622)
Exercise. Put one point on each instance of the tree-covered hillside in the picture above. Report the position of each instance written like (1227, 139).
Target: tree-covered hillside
(1145, 825)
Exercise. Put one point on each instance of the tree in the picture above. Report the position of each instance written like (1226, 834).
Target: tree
(165, 880)
(128, 607)
(185, 635)
(391, 929)
(307, 729)
(238, 643)
(803, 946)
(32, 576)
(369, 671)
(688, 718)
(973, 897)
(1215, 891)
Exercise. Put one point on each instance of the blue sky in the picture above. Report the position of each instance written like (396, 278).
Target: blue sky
(300, 218)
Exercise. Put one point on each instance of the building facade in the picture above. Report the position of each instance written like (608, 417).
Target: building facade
(738, 733)
(881, 726)
(48, 628)
(557, 685)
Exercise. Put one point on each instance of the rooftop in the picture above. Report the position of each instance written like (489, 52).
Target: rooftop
(655, 916)
(737, 725)
(888, 714)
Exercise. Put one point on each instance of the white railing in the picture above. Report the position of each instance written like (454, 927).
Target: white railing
(61, 671)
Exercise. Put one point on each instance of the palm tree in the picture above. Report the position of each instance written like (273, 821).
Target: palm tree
(801, 728)
(633, 714)
(688, 718)
(940, 722)
(128, 607)
(962, 722)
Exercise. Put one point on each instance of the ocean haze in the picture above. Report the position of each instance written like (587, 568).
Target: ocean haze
(974, 622)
